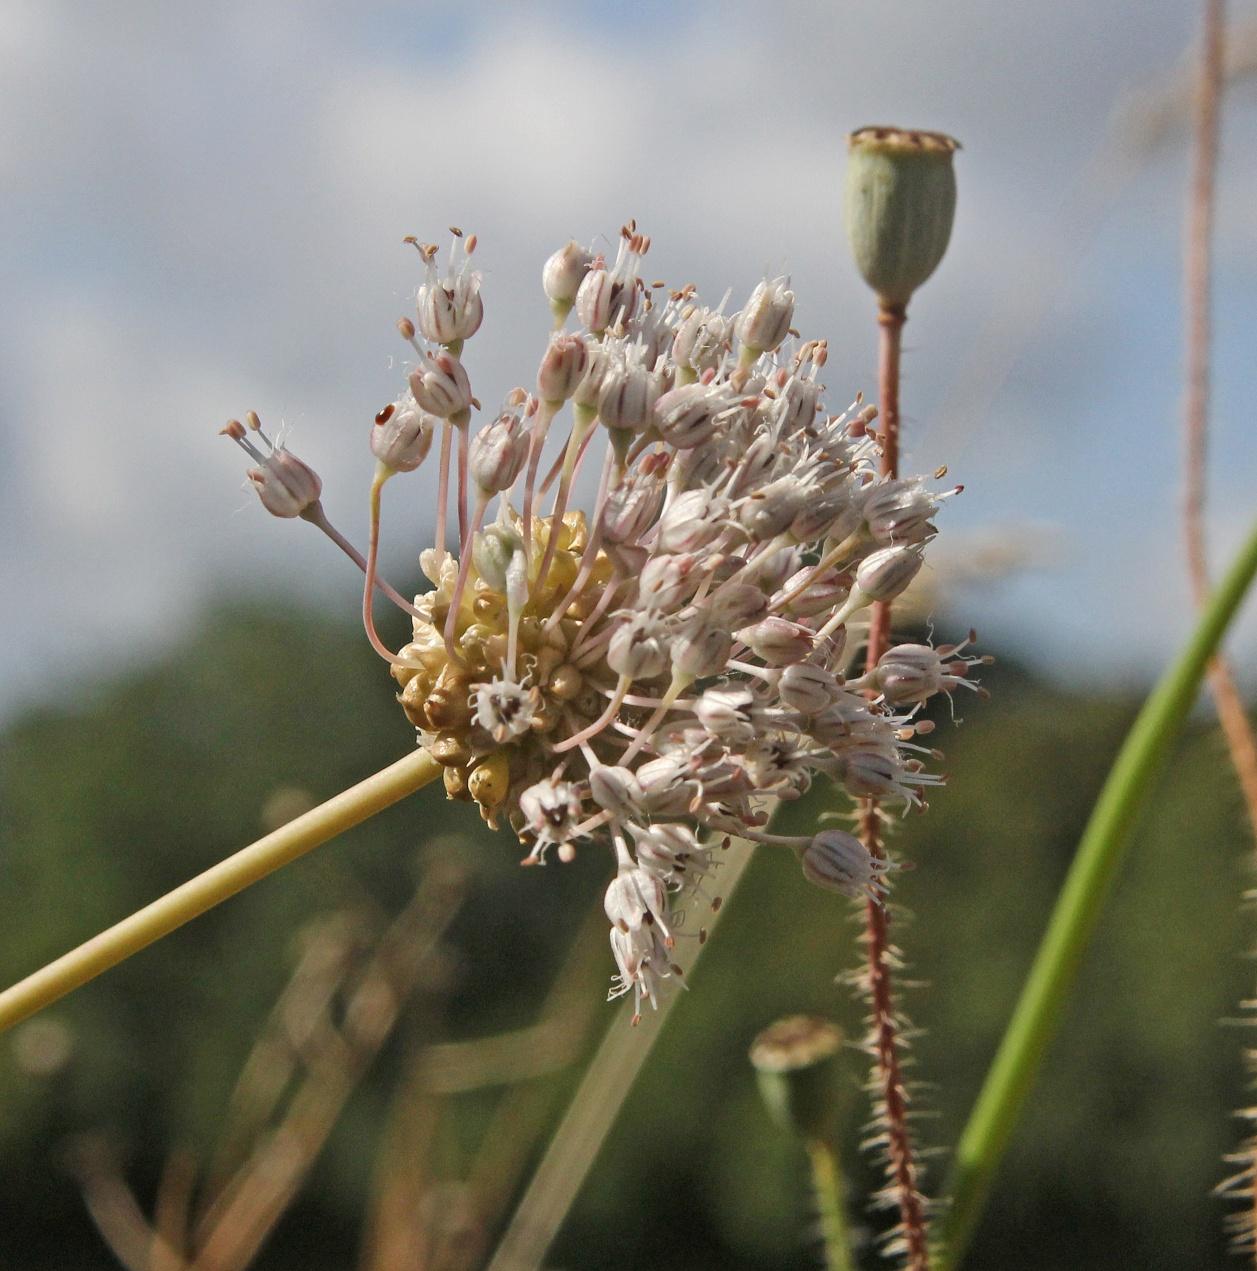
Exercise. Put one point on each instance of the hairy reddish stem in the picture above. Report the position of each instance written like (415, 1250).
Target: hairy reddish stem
(884, 1039)
(1197, 268)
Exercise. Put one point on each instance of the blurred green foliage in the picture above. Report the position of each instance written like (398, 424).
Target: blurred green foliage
(133, 785)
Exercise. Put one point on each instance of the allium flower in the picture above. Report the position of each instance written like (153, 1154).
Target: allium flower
(651, 673)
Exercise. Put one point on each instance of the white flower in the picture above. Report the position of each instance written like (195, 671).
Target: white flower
(651, 671)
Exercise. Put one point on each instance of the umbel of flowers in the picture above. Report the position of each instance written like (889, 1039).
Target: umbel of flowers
(653, 673)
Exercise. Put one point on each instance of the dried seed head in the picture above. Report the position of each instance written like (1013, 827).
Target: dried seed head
(900, 203)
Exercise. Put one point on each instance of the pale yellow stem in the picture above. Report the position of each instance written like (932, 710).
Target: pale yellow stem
(247, 866)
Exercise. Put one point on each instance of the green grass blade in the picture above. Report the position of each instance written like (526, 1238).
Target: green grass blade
(1077, 911)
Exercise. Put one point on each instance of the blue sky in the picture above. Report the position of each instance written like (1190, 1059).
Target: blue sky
(204, 211)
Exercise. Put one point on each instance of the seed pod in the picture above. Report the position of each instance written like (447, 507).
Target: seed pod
(795, 1065)
(900, 202)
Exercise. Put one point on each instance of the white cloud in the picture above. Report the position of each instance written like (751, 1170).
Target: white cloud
(208, 202)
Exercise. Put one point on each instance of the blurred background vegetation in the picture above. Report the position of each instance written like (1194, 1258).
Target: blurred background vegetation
(121, 789)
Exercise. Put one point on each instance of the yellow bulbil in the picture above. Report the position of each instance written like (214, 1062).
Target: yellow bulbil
(490, 780)
(413, 698)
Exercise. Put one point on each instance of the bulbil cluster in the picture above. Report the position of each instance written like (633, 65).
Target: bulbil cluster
(655, 672)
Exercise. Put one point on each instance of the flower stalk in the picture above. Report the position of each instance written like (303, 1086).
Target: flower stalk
(1078, 907)
(827, 1182)
(248, 866)
(900, 201)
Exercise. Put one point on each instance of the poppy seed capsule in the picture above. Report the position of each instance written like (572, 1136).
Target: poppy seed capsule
(796, 1067)
(900, 203)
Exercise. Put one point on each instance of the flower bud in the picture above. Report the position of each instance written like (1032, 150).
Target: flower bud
(450, 310)
(700, 649)
(286, 485)
(492, 551)
(838, 861)
(900, 202)
(723, 712)
(882, 575)
(616, 790)
(667, 582)
(498, 453)
(909, 673)
(773, 568)
(831, 515)
(631, 509)
(598, 359)
(636, 896)
(562, 274)
(816, 591)
(440, 385)
(796, 1070)
(562, 368)
(628, 394)
(736, 605)
(402, 435)
(607, 296)
(771, 509)
(688, 416)
(691, 522)
(638, 649)
(702, 340)
(807, 688)
(765, 321)
(665, 792)
(778, 641)
(899, 511)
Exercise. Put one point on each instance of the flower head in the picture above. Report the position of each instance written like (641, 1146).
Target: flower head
(651, 673)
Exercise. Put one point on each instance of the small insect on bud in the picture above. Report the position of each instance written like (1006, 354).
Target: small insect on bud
(287, 486)
(900, 203)
(796, 1067)
(440, 385)
(562, 368)
(402, 435)
(562, 275)
(498, 452)
(838, 861)
(765, 321)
